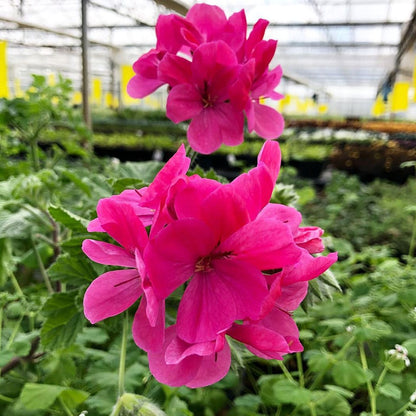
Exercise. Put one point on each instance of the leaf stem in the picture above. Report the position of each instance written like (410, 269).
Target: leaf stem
(338, 355)
(286, 372)
(123, 348)
(370, 388)
(402, 409)
(300, 369)
(65, 407)
(381, 378)
(16, 285)
(42, 268)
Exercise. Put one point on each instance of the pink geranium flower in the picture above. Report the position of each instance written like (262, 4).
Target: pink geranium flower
(205, 98)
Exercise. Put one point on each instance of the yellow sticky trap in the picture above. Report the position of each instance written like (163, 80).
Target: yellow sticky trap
(77, 98)
(379, 107)
(18, 92)
(127, 74)
(4, 81)
(96, 91)
(51, 80)
(400, 97)
(108, 99)
(323, 108)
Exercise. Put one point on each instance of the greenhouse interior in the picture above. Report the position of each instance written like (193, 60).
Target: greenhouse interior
(208, 208)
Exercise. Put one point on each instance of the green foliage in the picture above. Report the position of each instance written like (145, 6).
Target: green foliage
(351, 318)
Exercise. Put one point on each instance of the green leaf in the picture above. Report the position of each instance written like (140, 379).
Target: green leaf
(349, 374)
(63, 320)
(390, 390)
(41, 396)
(119, 185)
(178, 407)
(77, 181)
(72, 397)
(283, 391)
(143, 171)
(248, 401)
(72, 270)
(15, 225)
(5, 357)
(410, 345)
(331, 403)
(67, 218)
(337, 389)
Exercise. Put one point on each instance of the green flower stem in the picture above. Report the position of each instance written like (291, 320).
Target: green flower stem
(16, 285)
(402, 409)
(381, 378)
(371, 392)
(413, 240)
(65, 407)
(34, 155)
(312, 409)
(192, 154)
(300, 369)
(330, 364)
(117, 408)
(286, 372)
(14, 333)
(123, 348)
(1, 323)
(42, 268)
(6, 399)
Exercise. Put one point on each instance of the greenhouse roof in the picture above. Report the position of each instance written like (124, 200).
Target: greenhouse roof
(337, 47)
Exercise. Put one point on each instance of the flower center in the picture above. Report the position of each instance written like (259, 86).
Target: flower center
(204, 264)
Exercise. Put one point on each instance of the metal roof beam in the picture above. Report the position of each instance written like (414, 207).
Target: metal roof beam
(117, 11)
(28, 25)
(174, 5)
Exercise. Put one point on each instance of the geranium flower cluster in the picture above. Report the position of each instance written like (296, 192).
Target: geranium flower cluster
(239, 263)
(216, 76)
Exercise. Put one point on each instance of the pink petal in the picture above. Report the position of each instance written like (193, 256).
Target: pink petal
(256, 35)
(206, 308)
(212, 368)
(271, 156)
(268, 123)
(169, 30)
(309, 238)
(140, 87)
(170, 374)
(149, 337)
(214, 299)
(224, 211)
(106, 253)
(258, 337)
(95, 226)
(214, 68)
(288, 215)
(283, 323)
(172, 254)
(184, 102)
(266, 244)
(235, 32)
(178, 350)
(193, 370)
(174, 70)
(111, 293)
(263, 53)
(188, 195)
(255, 188)
(209, 20)
(120, 222)
(216, 125)
(292, 295)
(264, 85)
(308, 267)
(177, 165)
